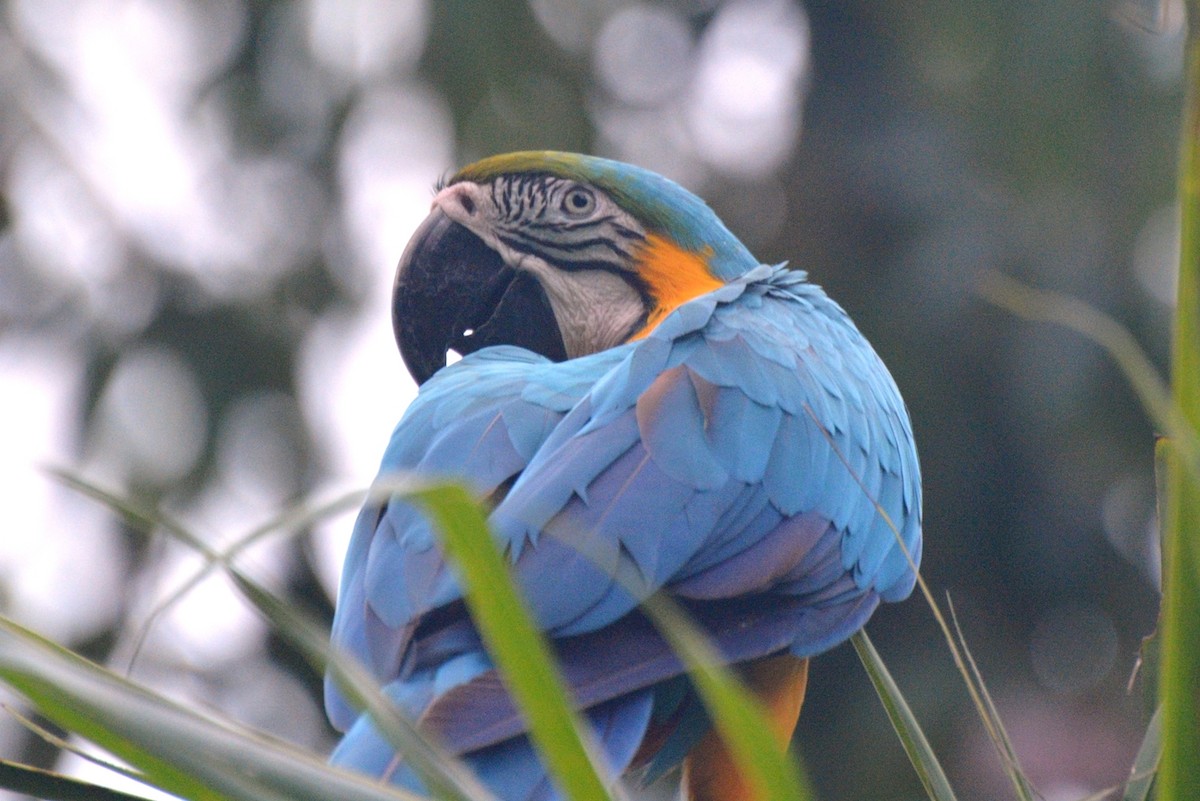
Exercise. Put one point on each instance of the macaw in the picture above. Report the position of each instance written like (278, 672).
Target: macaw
(644, 407)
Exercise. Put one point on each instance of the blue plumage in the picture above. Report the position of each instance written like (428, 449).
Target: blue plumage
(733, 457)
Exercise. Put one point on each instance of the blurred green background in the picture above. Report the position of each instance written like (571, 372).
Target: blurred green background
(201, 204)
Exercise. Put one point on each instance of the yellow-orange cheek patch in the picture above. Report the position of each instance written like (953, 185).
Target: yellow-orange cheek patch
(674, 276)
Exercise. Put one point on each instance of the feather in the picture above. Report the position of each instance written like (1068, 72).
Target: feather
(756, 568)
(630, 655)
(672, 428)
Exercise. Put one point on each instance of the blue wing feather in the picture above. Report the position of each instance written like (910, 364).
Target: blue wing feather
(673, 431)
(738, 450)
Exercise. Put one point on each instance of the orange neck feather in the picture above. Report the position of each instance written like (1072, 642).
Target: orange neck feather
(673, 276)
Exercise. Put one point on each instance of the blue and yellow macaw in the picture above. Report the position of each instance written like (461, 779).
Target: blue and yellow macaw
(646, 408)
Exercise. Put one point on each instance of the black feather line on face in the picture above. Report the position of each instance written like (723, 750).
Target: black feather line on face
(501, 199)
(537, 246)
(537, 249)
(628, 233)
(575, 225)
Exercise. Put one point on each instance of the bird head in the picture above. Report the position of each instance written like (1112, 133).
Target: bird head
(559, 253)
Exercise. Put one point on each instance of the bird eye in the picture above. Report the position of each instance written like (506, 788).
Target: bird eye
(579, 202)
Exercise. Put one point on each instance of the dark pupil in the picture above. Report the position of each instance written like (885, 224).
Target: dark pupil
(578, 201)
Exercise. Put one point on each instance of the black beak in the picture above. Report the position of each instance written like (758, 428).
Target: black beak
(453, 292)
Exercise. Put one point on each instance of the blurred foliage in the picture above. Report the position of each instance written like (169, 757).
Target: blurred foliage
(194, 247)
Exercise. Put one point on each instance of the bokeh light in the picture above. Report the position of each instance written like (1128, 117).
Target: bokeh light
(1073, 648)
(152, 422)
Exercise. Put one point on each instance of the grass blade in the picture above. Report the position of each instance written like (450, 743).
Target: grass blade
(1145, 764)
(444, 776)
(970, 675)
(516, 645)
(294, 519)
(1179, 655)
(738, 716)
(176, 749)
(50, 786)
(76, 749)
(1176, 412)
(441, 773)
(1053, 307)
(1020, 781)
(912, 738)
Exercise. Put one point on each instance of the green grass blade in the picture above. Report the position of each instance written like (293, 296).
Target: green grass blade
(1145, 764)
(971, 677)
(77, 749)
(516, 645)
(176, 749)
(735, 711)
(1021, 783)
(1179, 655)
(441, 773)
(50, 786)
(1176, 412)
(1053, 307)
(912, 738)
(294, 519)
(444, 776)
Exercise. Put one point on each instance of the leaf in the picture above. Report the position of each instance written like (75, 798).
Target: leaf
(50, 786)
(970, 674)
(1021, 784)
(1179, 652)
(441, 773)
(74, 748)
(176, 749)
(1106, 332)
(443, 776)
(912, 738)
(515, 644)
(1145, 764)
(738, 716)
